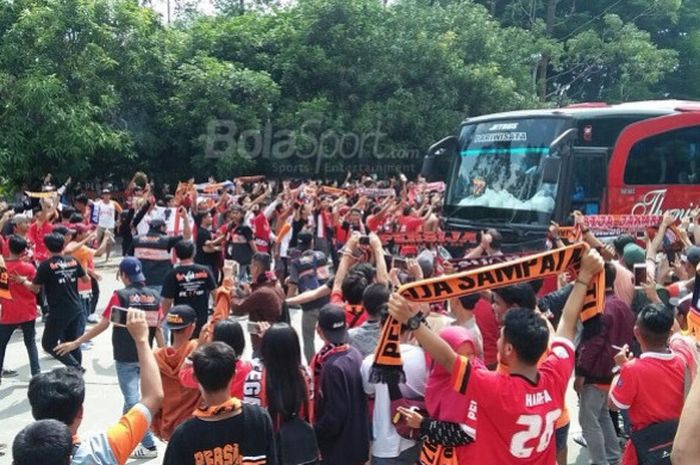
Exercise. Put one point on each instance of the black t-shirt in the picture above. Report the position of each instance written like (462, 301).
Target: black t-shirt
(244, 438)
(59, 275)
(189, 285)
(297, 226)
(210, 259)
(238, 247)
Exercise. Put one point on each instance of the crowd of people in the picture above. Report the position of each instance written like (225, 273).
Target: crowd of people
(483, 375)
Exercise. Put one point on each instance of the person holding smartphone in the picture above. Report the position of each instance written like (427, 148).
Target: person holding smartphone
(135, 295)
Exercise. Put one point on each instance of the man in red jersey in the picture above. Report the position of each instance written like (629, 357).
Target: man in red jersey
(517, 410)
(666, 364)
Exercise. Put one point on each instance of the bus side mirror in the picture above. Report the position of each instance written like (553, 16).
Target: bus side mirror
(550, 170)
(442, 152)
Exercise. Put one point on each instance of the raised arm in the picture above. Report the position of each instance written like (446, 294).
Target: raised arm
(686, 447)
(591, 264)
(151, 384)
(379, 262)
(345, 262)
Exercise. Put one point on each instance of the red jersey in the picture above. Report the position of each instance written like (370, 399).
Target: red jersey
(516, 419)
(487, 323)
(261, 228)
(637, 389)
(35, 235)
(22, 307)
(408, 224)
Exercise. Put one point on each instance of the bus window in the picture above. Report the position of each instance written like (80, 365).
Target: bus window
(669, 158)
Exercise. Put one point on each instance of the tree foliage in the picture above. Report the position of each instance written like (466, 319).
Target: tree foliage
(103, 87)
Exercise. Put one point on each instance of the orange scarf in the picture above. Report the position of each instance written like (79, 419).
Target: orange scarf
(388, 366)
(230, 405)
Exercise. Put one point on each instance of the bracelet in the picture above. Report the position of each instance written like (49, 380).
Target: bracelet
(585, 230)
(579, 281)
(556, 238)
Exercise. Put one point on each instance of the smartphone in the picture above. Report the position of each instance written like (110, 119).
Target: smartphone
(640, 274)
(400, 263)
(233, 265)
(253, 327)
(118, 316)
(364, 240)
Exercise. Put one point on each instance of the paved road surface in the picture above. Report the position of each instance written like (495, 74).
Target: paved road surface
(103, 400)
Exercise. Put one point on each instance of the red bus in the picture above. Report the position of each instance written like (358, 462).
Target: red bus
(517, 171)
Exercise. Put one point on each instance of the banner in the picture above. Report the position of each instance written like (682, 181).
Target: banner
(438, 186)
(623, 222)
(333, 191)
(388, 366)
(249, 179)
(428, 238)
(41, 195)
(375, 192)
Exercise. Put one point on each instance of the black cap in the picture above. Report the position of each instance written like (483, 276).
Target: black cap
(179, 317)
(156, 223)
(331, 320)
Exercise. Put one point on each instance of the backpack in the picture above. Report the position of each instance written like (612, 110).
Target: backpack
(296, 442)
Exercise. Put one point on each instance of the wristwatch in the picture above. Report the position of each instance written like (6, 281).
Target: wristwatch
(415, 321)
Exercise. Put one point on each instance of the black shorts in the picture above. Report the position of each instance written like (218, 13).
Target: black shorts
(561, 435)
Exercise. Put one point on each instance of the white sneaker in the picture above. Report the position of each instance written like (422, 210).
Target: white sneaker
(93, 318)
(142, 452)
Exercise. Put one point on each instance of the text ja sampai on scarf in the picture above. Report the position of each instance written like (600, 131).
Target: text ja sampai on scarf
(388, 366)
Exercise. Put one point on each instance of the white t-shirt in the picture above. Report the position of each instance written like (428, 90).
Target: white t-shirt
(387, 442)
(105, 214)
(471, 326)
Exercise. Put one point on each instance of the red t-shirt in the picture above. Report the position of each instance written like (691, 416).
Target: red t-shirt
(488, 325)
(409, 224)
(22, 307)
(261, 228)
(36, 235)
(637, 390)
(517, 418)
(374, 222)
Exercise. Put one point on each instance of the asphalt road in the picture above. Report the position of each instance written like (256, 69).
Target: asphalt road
(103, 400)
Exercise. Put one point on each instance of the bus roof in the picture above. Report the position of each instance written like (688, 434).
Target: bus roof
(589, 110)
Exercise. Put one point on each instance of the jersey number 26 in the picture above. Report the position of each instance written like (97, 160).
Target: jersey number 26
(537, 427)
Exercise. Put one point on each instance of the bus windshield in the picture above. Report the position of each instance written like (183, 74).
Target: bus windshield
(498, 174)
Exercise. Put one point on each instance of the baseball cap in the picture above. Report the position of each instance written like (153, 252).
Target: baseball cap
(131, 267)
(331, 320)
(20, 218)
(693, 255)
(633, 254)
(179, 317)
(106, 191)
